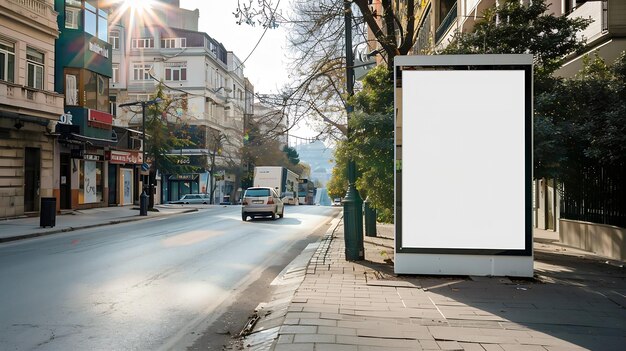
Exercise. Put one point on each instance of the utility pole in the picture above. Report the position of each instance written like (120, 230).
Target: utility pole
(352, 203)
(143, 198)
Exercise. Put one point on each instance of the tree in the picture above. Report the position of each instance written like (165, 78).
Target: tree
(587, 118)
(316, 42)
(370, 145)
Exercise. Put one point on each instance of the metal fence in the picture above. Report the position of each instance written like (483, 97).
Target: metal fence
(596, 194)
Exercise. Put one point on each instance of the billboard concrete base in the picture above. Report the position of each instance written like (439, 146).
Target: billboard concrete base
(479, 265)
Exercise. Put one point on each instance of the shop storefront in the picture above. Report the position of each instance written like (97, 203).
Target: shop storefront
(177, 185)
(122, 180)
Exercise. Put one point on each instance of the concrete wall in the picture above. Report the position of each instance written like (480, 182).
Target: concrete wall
(604, 240)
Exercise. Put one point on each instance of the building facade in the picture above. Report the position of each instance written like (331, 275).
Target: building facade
(82, 73)
(29, 105)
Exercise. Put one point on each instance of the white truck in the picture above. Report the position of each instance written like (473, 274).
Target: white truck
(284, 181)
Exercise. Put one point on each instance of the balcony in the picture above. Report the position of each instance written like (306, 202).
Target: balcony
(598, 12)
(26, 101)
(446, 24)
(38, 13)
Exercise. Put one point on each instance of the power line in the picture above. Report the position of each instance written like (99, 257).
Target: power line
(273, 14)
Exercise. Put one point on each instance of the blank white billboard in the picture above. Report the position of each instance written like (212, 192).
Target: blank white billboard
(463, 159)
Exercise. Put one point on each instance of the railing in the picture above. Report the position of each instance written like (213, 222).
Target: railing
(41, 102)
(37, 6)
(596, 194)
(423, 43)
(446, 23)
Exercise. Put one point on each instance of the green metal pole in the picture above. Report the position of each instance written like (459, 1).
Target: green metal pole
(352, 203)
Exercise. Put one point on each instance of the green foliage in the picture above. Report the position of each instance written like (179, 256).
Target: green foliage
(338, 183)
(292, 155)
(582, 121)
(515, 28)
(377, 93)
(370, 145)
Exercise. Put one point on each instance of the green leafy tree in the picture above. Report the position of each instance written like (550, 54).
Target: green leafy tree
(292, 155)
(370, 145)
(587, 117)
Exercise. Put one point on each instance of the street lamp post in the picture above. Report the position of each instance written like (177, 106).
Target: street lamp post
(352, 203)
(143, 204)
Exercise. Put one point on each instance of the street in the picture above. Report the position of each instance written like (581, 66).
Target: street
(152, 284)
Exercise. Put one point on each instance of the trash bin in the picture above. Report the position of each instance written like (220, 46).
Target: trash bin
(143, 204)
(48, 212)
(370, 218)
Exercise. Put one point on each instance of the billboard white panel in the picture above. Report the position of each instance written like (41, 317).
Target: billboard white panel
(463, 159)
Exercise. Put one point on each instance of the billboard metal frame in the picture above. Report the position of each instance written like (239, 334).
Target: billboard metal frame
(468, 63)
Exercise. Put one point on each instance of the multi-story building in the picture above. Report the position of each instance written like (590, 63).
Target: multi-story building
(29, 106)
(82, 72)
(205, 79)
(606, 35)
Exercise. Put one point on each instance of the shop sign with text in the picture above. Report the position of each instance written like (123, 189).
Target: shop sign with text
(124, 157)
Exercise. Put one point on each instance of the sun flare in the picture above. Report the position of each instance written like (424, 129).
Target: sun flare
(139, 5)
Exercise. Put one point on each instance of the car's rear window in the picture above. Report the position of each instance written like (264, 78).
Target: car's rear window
(257, 192)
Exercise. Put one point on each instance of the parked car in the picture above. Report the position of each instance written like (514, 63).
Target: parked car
(261, 201)
(337, 202)
(288, 199)
(193, 199)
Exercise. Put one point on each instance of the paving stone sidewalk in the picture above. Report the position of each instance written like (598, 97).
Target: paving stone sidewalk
(575, 302)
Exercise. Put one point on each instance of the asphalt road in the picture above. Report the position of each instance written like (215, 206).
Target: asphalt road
(145, 285)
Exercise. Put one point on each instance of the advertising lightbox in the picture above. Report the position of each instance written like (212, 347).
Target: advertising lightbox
(464, 164)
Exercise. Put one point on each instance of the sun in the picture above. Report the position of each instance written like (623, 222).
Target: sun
(139, 5)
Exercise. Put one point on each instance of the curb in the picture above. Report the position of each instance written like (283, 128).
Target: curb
(87, 226)
(261, 332)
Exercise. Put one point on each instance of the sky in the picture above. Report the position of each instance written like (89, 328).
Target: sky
(266, 67)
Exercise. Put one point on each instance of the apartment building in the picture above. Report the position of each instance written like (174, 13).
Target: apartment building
(29, 105)
(205, 79)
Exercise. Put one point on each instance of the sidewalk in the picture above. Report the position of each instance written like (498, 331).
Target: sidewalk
(576, 301)
(28, 227)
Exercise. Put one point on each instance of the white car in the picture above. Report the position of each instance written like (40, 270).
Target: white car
(261, 201)
(193, 199)
(337, 202)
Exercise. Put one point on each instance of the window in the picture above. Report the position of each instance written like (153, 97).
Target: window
(113, 105)
(7, 61)
(72, 17)
(91, 19)
(172, 43)
(34, 64)
(90, 183)
(141, 71)
(95, 19)
(176, 71)
(103, 22)
(90, 84)
(102, 95)
(86, 88)
(72, 80)
(116, 73)
(143, 43)
(114, 39)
